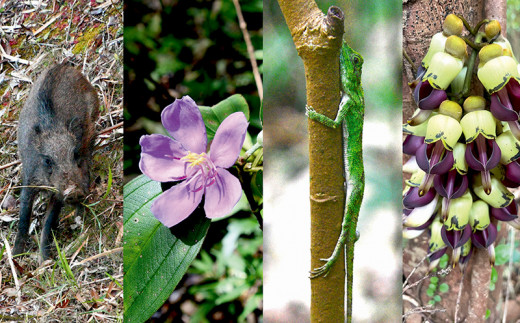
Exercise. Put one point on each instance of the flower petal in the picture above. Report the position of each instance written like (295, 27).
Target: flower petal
(501, 111)
(160, 158)
(223, 195)
(411, 143)
(228, 140)
(176, 204)
(183, 121)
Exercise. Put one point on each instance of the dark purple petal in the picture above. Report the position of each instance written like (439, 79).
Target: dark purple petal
(507, 213)
(454, 238)
(183, 121)
(513, 89)
(228, 140)
(496, 153)
(223, 195)
(437, 254)
(434, 164)
(411, 144)
(451, 184)
(160, 158)
(515, 129)
(484, 238)
(500, 111)
(420, 72)
(489, 159)
(428, 98)
(413, 200)
(176, 204)
(513, 172)
(444, 165)
(421, 157)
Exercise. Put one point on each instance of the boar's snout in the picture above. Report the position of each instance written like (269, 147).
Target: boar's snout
(73, 194)
(75, 188)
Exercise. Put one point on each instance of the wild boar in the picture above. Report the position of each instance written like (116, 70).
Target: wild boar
(55, 141)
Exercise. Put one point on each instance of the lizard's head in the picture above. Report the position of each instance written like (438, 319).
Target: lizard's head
(350, 64)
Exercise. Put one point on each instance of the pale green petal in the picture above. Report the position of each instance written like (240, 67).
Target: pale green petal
(436, 45)
(459, 155)
(495, 74)
(444, 128)
(458, 82)
(499, 197)
(499, 172)
(442, 70)
(411, 166)
(416, 178)
(466, 248)
(479, 215)
(478, 122)
(504, 43)
(420, 215)
(420, 129)
(509, 147)
(458, 212)
(436, 241)
(412, 234)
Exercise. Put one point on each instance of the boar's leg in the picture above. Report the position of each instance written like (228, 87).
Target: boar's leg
(51, 220)
(26, 203)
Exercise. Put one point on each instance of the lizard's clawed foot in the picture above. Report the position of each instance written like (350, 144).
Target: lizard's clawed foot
(323, 270)
(309, 111)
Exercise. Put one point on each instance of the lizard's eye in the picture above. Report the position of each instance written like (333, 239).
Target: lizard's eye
(355, 60)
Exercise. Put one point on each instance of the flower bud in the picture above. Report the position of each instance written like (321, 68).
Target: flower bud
(474, 103)
(452, 25)
(492, 29)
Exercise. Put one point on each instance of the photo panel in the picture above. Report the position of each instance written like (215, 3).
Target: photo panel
(460, 221)
(61, 161)
(373, 31)
(193, 240)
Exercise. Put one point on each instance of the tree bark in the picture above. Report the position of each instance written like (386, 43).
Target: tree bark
(318, 40)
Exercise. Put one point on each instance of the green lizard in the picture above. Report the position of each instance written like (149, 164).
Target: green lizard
(350, 116)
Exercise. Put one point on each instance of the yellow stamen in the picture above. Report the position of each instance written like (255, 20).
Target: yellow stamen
(195, 159)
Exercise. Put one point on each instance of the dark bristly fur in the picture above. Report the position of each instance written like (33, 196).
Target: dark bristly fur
(55, 141)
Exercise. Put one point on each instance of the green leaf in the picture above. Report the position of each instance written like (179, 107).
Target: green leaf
(501, 254)
(434, 280)
(443, 288)
(109, 184)
(430, 292)
(437, 298)
(494, 275)
(213, 116)
(488, 313)
(156, 257)
(443, 262)
(252, 304)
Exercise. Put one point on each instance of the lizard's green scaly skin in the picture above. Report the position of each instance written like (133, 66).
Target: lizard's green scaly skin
(350, 116)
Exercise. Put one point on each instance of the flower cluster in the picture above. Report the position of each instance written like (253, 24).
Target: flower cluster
(184, 158)
(463, 159)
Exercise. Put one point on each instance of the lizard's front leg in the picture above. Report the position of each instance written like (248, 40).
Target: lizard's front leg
(340, 116)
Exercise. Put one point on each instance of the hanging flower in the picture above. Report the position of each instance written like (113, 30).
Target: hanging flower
(184, 158)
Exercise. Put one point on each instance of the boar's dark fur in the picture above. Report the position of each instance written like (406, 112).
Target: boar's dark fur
(55, 141)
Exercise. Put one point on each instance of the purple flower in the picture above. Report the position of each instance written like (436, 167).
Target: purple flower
(184, 158)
